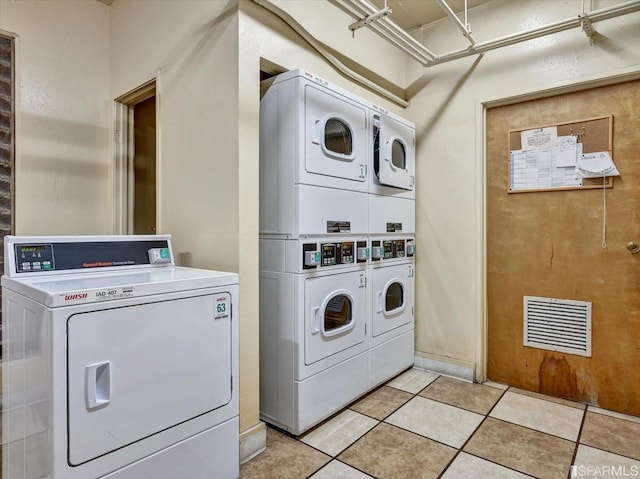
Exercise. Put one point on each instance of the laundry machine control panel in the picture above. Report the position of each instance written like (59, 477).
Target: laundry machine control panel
(385, 249)
(333, 254)
(41, 255)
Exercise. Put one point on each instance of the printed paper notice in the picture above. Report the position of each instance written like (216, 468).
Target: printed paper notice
(539, 138)
(597, 164)
(538, 169)
(567, 151)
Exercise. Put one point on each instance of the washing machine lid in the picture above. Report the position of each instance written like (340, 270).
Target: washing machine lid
(89, 269)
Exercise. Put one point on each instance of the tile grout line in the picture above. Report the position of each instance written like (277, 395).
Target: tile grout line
(531, 428)
(461, 449)
(332, 457)
(577, 445)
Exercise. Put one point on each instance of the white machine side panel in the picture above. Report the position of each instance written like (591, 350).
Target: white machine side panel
(317, 206)
(277, 345)
(276, 170)
(153, 367)
(389, 210)
(387, 281)
(26, 372)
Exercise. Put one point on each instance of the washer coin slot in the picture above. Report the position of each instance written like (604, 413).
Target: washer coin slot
(310, 256)
(362, 251)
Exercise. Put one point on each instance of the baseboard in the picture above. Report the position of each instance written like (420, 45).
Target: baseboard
(252, 442)
(446, 366)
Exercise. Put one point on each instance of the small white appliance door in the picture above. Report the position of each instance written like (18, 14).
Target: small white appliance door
(135, 371)
(335, 136)
(396, 154)
(393, 297)
(335, 314)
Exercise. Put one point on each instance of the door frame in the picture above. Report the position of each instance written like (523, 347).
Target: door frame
(123, 176)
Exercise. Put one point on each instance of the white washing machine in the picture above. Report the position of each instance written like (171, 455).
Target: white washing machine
(313, 158)
(117, 363)
(313, 328)
(392, 178)
(391, 278)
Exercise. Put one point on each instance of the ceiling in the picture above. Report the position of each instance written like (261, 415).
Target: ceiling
(410, 14)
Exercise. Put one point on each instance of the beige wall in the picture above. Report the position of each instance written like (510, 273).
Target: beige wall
(191, 48)
(62, 116)
(450, 162)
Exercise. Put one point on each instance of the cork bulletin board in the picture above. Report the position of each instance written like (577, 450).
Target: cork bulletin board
(595, 134)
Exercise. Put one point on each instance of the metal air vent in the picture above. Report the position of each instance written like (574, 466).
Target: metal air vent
(561, 325)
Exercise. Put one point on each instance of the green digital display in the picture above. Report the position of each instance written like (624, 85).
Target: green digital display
(32, 249)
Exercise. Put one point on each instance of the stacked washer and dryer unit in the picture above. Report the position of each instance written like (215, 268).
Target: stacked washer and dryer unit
(326, 337)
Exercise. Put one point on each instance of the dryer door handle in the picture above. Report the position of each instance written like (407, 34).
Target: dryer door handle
(316, 320)
(316, 132)
(379, 301)
(98, 384)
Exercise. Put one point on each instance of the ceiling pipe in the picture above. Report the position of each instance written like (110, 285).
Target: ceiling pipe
(319, 47)
(370, 19)
(555, 27)
(389, 31)
(466, 32)
(427, 58)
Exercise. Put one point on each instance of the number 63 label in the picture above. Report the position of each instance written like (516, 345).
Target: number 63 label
(222, 307)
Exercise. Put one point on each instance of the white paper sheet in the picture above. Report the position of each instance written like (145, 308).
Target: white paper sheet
(537, 169)
(596, 165)
(539, 138)
(567, 153)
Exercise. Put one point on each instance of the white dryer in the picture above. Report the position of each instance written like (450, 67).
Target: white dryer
(391, 280)
(313, 329)
(392, 178)
(313, 158)
(117, 363)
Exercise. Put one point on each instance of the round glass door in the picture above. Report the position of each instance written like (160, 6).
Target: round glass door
(338, 314)
(398, 155)
(394, 298)
(338, 138)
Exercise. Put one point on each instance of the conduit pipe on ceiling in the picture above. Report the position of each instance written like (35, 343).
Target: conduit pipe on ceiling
(555, 27)
(389, 31)
(319, 47)
(463, 28)
(427, 58)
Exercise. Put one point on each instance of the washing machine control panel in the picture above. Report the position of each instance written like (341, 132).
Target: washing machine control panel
(34, 257)
(385, 249)
(55, 254)
(334, 254)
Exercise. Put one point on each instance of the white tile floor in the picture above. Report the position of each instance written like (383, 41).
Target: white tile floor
(545, 416)
(446, 424)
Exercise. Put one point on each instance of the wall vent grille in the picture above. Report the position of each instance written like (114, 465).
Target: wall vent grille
(561, 325)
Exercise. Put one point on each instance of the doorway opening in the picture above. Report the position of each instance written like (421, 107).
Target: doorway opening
(136, 161)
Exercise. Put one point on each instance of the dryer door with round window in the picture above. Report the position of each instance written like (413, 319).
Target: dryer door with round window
(335, 314)
(393, 298)
(394, 154)
(335, 135)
